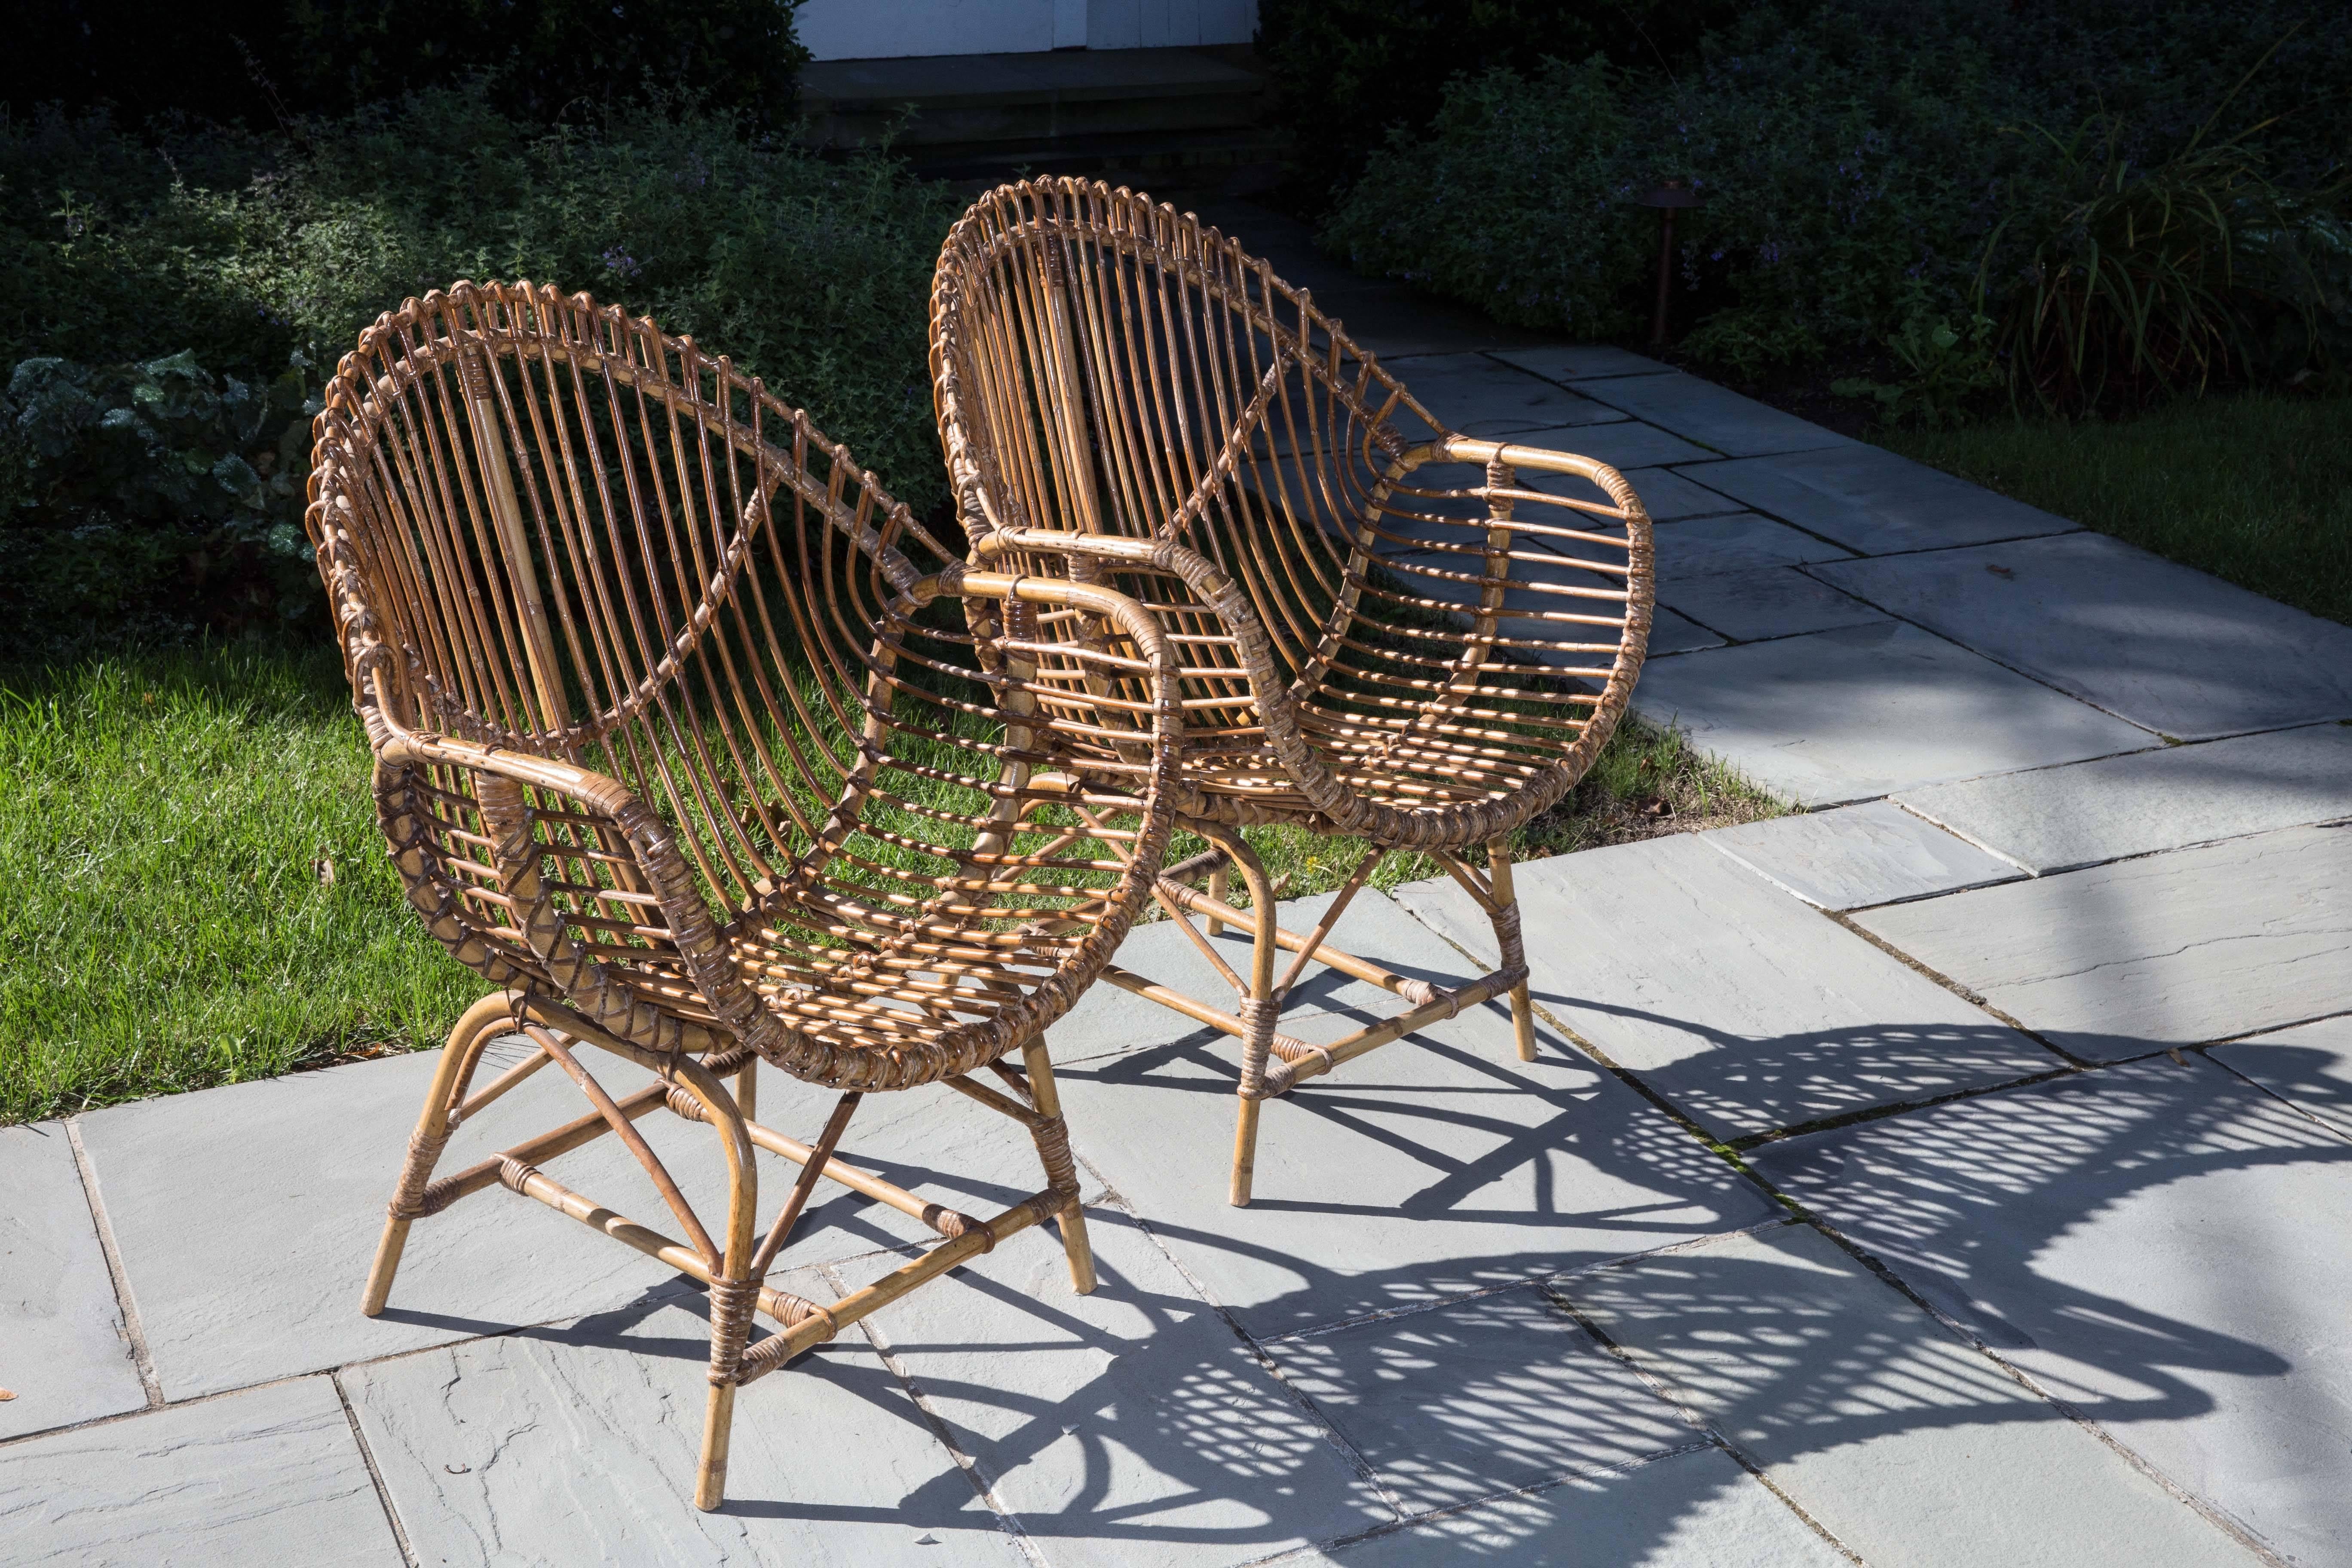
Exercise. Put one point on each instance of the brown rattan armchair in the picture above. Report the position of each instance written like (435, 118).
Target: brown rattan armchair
(1383, 631)
(670, 747)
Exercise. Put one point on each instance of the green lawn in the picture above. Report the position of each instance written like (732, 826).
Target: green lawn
(167, 821)
(167, 826)
(2256, 489)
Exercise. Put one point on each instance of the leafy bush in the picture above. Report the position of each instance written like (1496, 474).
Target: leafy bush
(1345, 71)
(266, 62)
(1855, 176)
(248, 250)
(1948, 371)
(138, 481)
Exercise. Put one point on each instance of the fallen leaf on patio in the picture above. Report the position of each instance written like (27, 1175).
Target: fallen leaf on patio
(2001, 571)
(6, 1394)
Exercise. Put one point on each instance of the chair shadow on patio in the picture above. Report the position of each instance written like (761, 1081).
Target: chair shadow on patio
(1141, 1418)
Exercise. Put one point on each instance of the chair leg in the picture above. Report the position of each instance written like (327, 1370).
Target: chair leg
(1259, 1011)
(1061, 1168)
(491, 1015)
(735, 1290)
(1511, 950)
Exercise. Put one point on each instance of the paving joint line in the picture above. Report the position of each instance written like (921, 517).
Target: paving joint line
(1008, 1519)
(2220, 1518)
(125, 1303)
(375, 1474)
(2042, 682)
(1533, 1490)
(118, 1418)
(1973, 998)
(1716, 1438)
(1888, 1276)
(1532, 1282)
(1349, 1453)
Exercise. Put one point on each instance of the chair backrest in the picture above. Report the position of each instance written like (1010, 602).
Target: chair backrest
(1104, 364)
(549, 527)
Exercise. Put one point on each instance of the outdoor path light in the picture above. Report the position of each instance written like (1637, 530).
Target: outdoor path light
(1669, 199)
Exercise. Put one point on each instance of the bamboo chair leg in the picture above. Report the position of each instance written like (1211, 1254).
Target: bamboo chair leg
(1259, 1011)
(1512, 949)
(1061, 1168)
(734, 1291)
(493, 1014)
(1217, 891)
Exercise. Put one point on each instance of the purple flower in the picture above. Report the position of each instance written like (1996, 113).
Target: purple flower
(620, 263)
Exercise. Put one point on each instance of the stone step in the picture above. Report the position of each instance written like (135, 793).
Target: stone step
(960, 115)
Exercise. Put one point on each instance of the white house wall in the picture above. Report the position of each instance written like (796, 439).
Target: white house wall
(878, 29)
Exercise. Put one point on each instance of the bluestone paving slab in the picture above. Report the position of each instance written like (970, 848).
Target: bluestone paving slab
(1694, 1510)
(1733, 576)
(63, 1350)
(577, 1443)
(1873, 502)
(1478, 395)
(2055, 819)
(2168, 950)
(2160, 643)
(1710, 546)
(1737, 542)
(1626, 444)
(1876, 853)
(1909, 1447)
(246, 1216)
(2310, 1064)
(1437, 1166)
(1128, 1426)
(2161, 1244)
(1745, 1009)
(1766, 601)
(1666, 495)
(1493, 1394)
(1581, 362)
(1712, 415)
(268, 1476)
(1861, 711)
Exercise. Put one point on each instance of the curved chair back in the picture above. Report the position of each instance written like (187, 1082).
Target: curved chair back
(632, 637)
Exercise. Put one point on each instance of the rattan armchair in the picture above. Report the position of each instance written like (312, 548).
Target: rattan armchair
(1383, 631)
(671, 748)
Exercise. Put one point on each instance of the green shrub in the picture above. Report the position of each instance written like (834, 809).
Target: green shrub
(1514, 203)
(2142, 281)
(1948, 373)
(1346, 71)
(1855, 176)
(267, 61)
(813, 273)
(141, 483)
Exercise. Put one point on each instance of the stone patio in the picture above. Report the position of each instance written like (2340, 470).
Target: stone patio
(1950, 1174)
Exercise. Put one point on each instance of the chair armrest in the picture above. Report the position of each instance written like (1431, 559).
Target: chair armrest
(589, 986)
